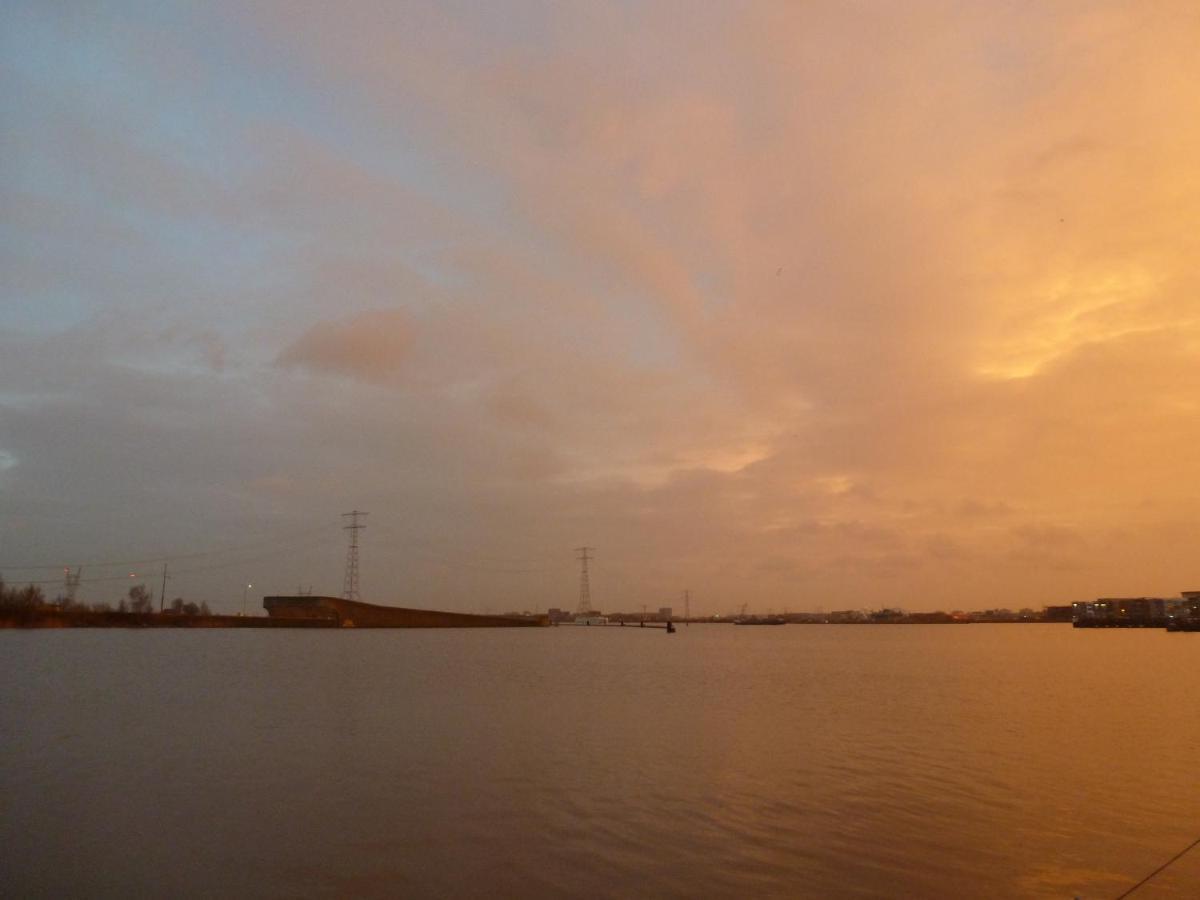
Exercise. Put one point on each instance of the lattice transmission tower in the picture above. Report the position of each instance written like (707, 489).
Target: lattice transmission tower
(350, 581)
(585, 588)
(70, 585)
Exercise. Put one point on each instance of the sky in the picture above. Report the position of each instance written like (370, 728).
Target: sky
(802, 305)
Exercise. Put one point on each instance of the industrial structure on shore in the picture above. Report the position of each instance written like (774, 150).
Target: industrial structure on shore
(340, 612)
(348, 611)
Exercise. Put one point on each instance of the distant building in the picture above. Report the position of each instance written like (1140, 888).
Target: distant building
(664, 613)
(1121, 612)
(996, 615)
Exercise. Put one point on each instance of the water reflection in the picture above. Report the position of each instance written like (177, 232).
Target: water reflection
(798, 761)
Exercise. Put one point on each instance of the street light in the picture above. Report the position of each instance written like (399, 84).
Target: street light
(245, 591)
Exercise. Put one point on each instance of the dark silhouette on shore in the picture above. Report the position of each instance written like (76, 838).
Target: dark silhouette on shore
(29, 607)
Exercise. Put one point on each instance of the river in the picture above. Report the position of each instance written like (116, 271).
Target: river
(798, 761)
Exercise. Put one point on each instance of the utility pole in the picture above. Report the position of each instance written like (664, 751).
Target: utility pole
(585, 588)
(162, 598)
(350, 580)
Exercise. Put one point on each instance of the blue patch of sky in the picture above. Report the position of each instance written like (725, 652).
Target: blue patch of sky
(32, 297)
(264, 85)
(99, 71)
(83, 78)
(43, 285)
(44, 310)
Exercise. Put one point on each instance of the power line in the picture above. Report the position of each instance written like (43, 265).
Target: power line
(473, 567)
(483, 562)
(1173, 859)
(22, 581)
(286, 537)
(189, 571)
(316, 539)
(249, 559)
(111, 564)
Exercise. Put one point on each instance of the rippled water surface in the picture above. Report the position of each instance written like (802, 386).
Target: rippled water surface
(819, 761)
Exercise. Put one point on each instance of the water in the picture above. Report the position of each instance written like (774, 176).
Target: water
(836, 761)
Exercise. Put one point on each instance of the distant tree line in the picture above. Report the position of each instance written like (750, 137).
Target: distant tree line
(138, 600)
(28, 597)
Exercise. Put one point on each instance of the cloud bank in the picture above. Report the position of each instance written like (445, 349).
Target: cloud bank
(793, 305)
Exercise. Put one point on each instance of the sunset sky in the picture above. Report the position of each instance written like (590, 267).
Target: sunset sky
(802, 305)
